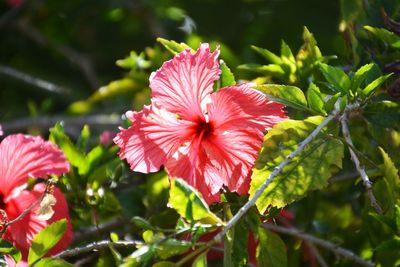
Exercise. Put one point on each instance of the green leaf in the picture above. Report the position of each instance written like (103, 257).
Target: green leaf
(389, 245)
(329, 105)
(286, 52)
(370, 88)
(227, 77)
(314, 98)
(139, 257)
(384, 114)
(240, 255)
(268, 55)
(291, 96)
(360, 76)
(189, 203)
(172, 247)
(75, 157)
(50, 262)
(134, 61)
(309, 52)
(142, 223)
(390, 171)
(271, 250)
(271, 69)
(201, 260)
(309, 170)
(164, 264)
(397, 214)
(7, 248)
(336, 77)
(173, 46)
(46, 239)
(83, 138)
(385, 35)
(392, 181)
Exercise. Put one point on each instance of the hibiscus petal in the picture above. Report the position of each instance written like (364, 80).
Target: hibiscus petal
(25, 156)
(240, 116)
(241, 107)
(192, 164)
(183, 84)
(154, 135)
(23, 231)
(233, 155)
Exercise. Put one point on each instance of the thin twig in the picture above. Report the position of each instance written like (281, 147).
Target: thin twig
(5, 223)
(40, 83)
(271, 177)
(44, 122)
(318, 255)
(320, 242)
(367, 183)
(96, 246)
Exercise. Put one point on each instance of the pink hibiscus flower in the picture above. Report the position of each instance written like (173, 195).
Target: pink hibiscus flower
(209, 139)
(22, 157)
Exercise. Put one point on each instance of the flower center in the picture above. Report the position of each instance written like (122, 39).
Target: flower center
(204, 129)
(2, 203)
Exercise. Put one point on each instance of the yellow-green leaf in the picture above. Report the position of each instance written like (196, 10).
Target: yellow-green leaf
(309, 170)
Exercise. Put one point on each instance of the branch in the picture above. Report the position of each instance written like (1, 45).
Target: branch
(271, 177)
(45, 122)
(4, 222)
(318, 255)
(43, 84)
(96, 246)
(367, 183)
(75, 57)
(321, 242)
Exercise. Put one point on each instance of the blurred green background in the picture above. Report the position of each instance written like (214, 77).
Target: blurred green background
(74, 44)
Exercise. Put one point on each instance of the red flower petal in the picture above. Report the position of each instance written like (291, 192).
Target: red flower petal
(241, 107)
(182, 84)
(25, 156)
(192, 164)
(23, 231)
(154, 135)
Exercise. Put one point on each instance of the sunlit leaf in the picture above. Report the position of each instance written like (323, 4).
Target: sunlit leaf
(75, 157)
(268, 55)
(271, 69)
(370, 88)
(46, 240)
(386, 36)
(188, 202)
(173, 46)
(200, 261)
(290, 96)
(83, 138)
(9, 249)
(360, 76)
(314, 98)
(227, 77)
(336, 77)
(309, 170)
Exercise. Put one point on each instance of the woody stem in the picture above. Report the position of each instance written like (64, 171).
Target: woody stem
(360, 169)
(46, 191)
(271, 177)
